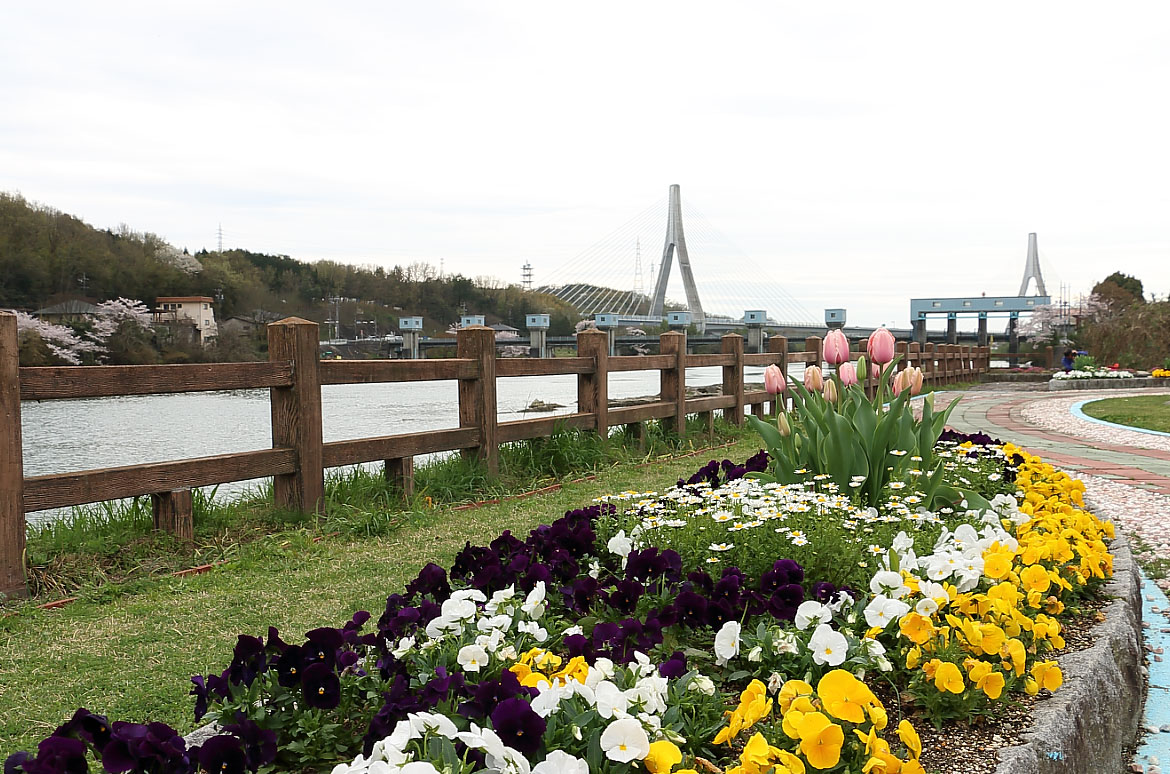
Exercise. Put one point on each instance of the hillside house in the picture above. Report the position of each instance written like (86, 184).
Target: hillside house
(190, 315)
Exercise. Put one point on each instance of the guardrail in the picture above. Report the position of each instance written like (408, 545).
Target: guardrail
(298, 457)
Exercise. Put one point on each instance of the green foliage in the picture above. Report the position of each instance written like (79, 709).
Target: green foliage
(1085, 363)
(859, 443)
(1130, 335)
(46, 255)
(1124, 282)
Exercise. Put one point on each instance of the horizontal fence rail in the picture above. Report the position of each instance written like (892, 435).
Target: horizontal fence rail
(298, 458)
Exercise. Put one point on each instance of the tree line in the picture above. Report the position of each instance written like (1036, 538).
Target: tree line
(47, 256)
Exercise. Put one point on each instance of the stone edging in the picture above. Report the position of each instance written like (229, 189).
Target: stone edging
(1088, 723)
(1107, 384)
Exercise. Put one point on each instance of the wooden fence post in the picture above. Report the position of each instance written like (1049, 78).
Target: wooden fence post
(673, 380)
(732, 344)
(779, 345)
(296, 415)
(399, 472)
(593, 388)
(817, 345)
(173, 514)
(12, 526)
(913, 355)
(929, 374)
(477, 397)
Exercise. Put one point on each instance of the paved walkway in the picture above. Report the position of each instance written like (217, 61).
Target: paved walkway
(998, 410)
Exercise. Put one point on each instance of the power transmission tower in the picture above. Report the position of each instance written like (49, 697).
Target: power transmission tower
(676, 241)
(1032, 269)
(526, 274)
(219, 232)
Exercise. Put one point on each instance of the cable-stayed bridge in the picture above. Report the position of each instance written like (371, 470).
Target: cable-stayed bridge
(625, 275)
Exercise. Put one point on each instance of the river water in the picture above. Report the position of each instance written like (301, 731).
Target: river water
(70, 435)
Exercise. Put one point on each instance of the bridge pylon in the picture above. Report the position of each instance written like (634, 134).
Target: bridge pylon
(676, 241)
(1032, 269)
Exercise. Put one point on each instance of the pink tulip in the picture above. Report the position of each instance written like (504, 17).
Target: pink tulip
(836, 347)
(831, 391)
(774, 380)
(881, 346)
(901, 382)
(915, 380)
(813, 381)
(848, 374)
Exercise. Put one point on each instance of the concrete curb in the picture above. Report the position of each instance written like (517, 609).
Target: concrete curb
(1136, 382)
(1088, 723)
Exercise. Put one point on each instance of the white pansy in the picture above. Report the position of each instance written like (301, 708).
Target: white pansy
(703, 684)
(620, 544)
(611, 700)
(624, 740)
(442, 625)
(926, 607)
(494, 622)
(472, 658)
(727, 643)
(534, 604)
(457, 609)
(474, 595)
(889, 583)
(756, 654)
(573, 630)
(812, 613)
(404, 646)
(424, 722)
(548, 701)
(533, 628)
(882, 611)
(828, 646)
(902, 542)
(560, 762)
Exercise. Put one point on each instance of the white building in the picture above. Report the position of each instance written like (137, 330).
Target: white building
(195, 311)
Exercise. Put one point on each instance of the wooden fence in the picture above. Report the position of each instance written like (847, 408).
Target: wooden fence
(298, 457)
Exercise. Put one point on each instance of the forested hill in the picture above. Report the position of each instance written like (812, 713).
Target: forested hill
(47, 256)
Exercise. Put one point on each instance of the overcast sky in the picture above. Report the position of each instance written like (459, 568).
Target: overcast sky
(861, 153)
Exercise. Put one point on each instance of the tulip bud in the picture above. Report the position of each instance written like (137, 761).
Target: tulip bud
(848, 374)
(836, 347)
(831, 391)
(813, 381)
(881, 346)
(774, 380)
(782, 425)
(861, 368)
(901, 382)
(915, 380)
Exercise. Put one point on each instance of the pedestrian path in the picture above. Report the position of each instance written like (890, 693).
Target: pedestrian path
(998, 410)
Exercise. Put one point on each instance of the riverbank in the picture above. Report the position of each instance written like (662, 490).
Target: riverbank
(112, 548)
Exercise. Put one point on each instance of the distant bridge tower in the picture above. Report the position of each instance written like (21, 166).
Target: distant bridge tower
(676, 241)
(1032, 269)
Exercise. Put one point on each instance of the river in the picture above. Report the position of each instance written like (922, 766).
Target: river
(70, 435)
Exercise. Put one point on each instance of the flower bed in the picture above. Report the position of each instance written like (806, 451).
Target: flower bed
(1095, 373)
(806, 610)
(617, 637)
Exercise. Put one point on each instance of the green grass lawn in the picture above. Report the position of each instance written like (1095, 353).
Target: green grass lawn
(1151, 412)
(129, 653)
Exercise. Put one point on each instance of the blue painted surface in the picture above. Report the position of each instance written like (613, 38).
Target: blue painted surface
(1080, 414)
(1156, 746)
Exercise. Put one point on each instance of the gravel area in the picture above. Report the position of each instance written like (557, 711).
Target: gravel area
(1136, 511)
(1055, 414)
